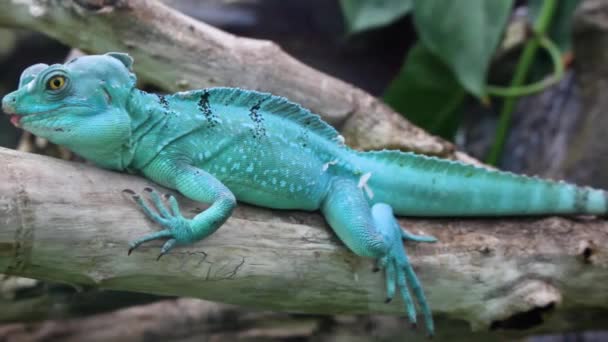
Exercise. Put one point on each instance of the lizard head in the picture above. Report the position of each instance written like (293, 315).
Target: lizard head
(80, 104)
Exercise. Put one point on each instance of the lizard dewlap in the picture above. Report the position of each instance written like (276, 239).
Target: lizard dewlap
(218, 145)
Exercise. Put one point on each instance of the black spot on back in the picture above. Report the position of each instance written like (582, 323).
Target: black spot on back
(205, 108)
(258, 120)
(303, 137)
(163, 101)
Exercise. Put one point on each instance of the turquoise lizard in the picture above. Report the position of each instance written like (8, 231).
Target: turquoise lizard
(218, 145)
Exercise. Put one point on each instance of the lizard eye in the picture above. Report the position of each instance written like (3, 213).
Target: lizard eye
(56, 83)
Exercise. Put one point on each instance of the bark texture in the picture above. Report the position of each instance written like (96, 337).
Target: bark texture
(176, 52)
(69, 222)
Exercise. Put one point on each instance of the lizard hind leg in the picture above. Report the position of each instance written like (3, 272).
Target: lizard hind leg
(374, 232)
(398, 265)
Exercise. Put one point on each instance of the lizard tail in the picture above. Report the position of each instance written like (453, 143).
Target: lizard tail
(417, 185)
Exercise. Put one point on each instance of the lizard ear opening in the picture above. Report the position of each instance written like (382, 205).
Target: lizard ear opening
(123, 58)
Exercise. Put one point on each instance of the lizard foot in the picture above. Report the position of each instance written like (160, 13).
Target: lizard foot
(177, 228)
(398, 270)
(400, 273)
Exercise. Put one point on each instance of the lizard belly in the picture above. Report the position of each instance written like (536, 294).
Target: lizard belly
(275, 200)
(295, 182)
(276, 191)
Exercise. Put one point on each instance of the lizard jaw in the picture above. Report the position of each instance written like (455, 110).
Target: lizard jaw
(16, 118)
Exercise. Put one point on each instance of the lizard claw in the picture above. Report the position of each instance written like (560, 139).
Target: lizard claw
(176, 226)
(166, 247)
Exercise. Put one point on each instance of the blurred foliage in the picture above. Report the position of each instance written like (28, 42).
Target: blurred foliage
(427, 89)
(464, 34)
(457, 40)
(560, 30)
(365, 14)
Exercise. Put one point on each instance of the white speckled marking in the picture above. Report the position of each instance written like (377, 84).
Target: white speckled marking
(363, 184)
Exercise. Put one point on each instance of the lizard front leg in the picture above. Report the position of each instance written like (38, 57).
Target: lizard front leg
(193, 183)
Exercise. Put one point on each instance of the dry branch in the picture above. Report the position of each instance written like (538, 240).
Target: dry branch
(69, 222)
(176, 52)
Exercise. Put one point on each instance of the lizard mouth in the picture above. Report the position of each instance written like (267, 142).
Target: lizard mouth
(15, 120)
(13, 117)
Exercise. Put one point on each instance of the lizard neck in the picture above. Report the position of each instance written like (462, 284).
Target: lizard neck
(108, 139)
(148, 115)
(145, 113)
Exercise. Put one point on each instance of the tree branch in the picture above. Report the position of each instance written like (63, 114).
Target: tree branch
(176, 52)
(69, 222)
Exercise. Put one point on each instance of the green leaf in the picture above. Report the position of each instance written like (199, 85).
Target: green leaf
(427, 93)
(464, 34)
(367, 14)
(560, 30)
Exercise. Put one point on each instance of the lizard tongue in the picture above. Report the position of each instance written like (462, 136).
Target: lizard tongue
(15, 120)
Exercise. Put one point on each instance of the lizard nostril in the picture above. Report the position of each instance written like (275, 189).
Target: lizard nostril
(8, 103)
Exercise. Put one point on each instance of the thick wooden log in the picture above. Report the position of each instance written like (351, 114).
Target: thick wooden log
(169, 320)
(176, 52)
(70, 222)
